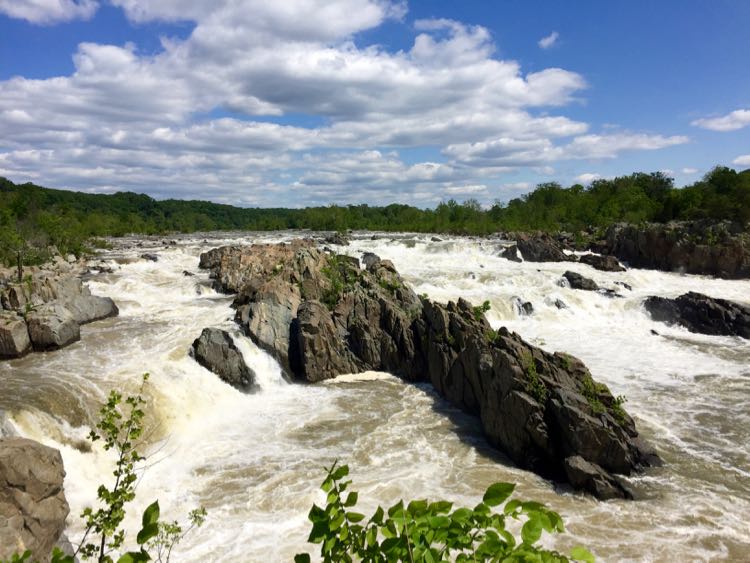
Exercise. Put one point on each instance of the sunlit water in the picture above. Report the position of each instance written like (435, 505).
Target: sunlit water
(255, 461)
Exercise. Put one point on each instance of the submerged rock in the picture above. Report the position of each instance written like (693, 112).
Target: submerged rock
(523, 308)
(33, 507)
(700, 313)
(215, 350)
(150, 257)
(323, 316)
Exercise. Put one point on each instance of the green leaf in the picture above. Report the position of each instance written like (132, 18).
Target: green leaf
(134, 557)
(531, 531)
(579, 553)
(355, 516)
(498, 493)
(351, 499)
(340, 473)
(441, 507)
(151, 514)
(302, 558)
(147, 532)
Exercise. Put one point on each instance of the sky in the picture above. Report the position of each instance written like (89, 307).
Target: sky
(313, 102)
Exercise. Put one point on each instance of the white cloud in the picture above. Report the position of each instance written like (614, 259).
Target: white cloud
(45, 12)
(689, 171)
(743, 160)
(587, 178)
(157, 122)
(549, 41)
(667, 172)
(731, 122)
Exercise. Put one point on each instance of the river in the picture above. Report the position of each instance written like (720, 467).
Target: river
(255, 461)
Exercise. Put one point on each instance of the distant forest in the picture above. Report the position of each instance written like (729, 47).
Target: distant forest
(33, 218)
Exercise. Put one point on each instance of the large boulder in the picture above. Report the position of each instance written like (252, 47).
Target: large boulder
(52, 326)
(14, 335)
(511, 253)
(699, 247)
(33, 507)
(700, 313)
(539, 408)
(87, 308)
(215, 350)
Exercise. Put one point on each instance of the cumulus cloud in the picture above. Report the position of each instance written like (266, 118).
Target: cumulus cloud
(688, 171)
(549, 41)
(206, 116)
(743, 160)
(731, 122)
(45, 12)
(587, 177)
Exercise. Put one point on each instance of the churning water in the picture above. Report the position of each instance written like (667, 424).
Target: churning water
(255, 461)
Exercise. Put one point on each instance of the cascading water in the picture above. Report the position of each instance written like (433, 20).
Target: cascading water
(255, 461)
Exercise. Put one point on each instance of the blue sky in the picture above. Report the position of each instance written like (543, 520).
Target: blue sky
(350, 101)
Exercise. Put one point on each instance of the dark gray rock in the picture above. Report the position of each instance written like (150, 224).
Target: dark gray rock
(593, 479)
(215, 350)
(541, 248)
(87, 308)
(577, 281)
(603, 263)
(33, 507)
(698, 247)
(523, 308)
(702, 314)
(511, 253)
(52, 326)
(150, 257)
(340, 239)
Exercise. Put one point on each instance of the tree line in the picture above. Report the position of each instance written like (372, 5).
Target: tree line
(33, 218)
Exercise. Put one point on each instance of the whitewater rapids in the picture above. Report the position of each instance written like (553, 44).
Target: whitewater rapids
(255, 461)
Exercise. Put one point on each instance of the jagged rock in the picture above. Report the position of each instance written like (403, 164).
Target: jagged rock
(187, 273)
(539, 408)
(511, 253)
(523, 308)
(14, 335)
(215, 350)
(702, 314)
(603, 263)
(150, 257)
(559, 303)
(33, 507)
(52, 326)
(592, 478)
(577, 281)
(436, 239)
(541, 248)
(714, 249)
(625, 285)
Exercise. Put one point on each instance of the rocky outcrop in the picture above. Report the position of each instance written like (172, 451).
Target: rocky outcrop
(329, 316)
(702, 314)
(215, 350)
(338, 238)
(578, 281)
(14, 335)
(716, 249)
(33, 507)
(52, 326)
(603, 263)
(49, 307)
